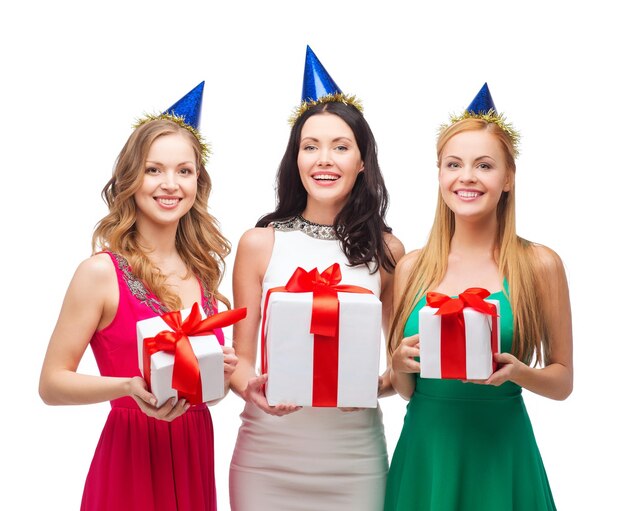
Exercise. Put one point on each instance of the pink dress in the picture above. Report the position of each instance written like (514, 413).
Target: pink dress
(142, 463)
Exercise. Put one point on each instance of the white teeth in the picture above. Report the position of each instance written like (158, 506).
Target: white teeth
(167, 202)
(467, 194)
(325, 177)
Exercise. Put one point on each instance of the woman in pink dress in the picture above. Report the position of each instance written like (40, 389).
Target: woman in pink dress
(161, 251)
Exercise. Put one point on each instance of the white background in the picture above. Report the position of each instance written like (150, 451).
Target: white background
(75, 75)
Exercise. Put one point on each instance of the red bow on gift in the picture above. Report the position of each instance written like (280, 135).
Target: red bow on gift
(453, 353)
(324, 326)
(186, 377)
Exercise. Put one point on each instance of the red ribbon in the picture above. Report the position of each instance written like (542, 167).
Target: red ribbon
(186, 378)
(453, 355)
(324, 326)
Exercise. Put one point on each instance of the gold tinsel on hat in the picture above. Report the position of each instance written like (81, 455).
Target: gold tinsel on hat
(492, 117)
(205, 150)
(338, 97)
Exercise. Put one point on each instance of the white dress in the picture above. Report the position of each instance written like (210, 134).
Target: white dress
(315, 459)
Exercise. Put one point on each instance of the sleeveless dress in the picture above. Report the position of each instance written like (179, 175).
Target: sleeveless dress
(142, 463)
(465, 446)
(315, 459)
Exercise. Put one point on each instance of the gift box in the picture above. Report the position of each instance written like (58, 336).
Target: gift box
(180, 357)
(321, 342)
(459, 336)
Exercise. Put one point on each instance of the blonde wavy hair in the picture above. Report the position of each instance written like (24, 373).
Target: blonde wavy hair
(514, 255)
(199, 241)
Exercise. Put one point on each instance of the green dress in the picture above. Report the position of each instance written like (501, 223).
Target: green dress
(465, 446)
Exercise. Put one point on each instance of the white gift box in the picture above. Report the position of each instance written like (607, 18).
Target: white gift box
(206, 348)
(479, 355)
(289, 348)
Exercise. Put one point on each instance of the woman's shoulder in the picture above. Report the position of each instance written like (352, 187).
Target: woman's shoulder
(408, 260)
(94, 278)
(546, 260)
(404, 267)
(395, 246)
(98, 267)
(255, 242)
(253, 253)
(257, 237)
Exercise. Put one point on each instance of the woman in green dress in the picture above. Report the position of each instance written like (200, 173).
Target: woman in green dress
(469, 445)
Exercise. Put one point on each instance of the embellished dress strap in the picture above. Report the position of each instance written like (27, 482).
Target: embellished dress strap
(209, 303)
(138, 289)
(135, 285)
(298, 223)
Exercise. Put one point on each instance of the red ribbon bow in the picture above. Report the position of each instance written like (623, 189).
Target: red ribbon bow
(324, 326)
(186, 377)
(453, 350)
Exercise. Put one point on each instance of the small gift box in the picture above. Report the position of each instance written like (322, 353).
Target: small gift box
(179, 355)
(321, 342)
(458, 336)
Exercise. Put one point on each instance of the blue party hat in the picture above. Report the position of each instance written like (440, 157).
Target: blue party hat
(317, 82)
(483, 102)
(186, 113)
(483, 107)
(188, 107)
(318, 87)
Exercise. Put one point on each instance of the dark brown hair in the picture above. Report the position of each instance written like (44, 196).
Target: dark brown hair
(360, 225)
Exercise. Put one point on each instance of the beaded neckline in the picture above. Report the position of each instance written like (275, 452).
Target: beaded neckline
(139, 291)
(298, 223)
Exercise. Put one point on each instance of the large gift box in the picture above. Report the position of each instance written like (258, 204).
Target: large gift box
(459, 336)
(321, 342)
(180, 357)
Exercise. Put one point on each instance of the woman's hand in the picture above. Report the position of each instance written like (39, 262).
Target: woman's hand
(255, 393)
(509, 368)
(404, 366)
(384, 383)
(230, 363)
(146, 401)
(403, 358)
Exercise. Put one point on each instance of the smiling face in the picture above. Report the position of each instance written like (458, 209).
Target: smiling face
(473, 174)
(170, 181)
(329, 159)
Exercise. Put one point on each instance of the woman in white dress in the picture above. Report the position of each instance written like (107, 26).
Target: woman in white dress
(331, 206)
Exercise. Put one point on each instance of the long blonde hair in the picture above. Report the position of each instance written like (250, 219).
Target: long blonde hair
(199, 241)
(515, 259)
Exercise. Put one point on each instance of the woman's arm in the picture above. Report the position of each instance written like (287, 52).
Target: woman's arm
(556, 379)
(89, 305)
(396, 249)
(87, 301)
(403, 365)
(253, 256)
